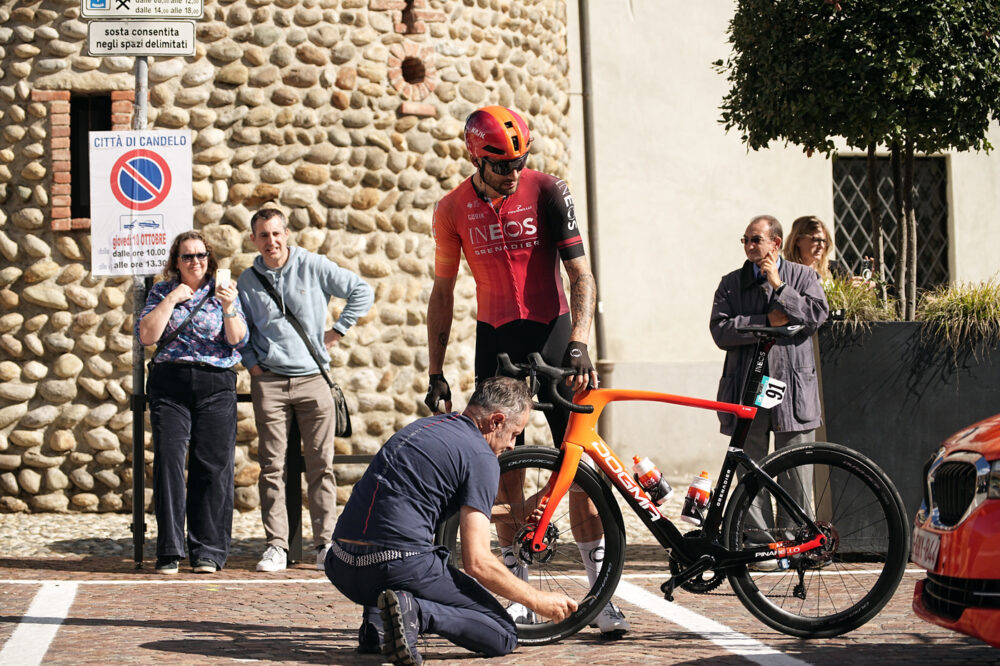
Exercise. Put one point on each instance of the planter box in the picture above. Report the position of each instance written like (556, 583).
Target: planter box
(894, 397)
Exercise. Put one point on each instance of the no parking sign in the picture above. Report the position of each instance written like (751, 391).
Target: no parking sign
(140, 198)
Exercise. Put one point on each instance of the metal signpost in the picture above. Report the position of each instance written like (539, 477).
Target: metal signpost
(144, 181)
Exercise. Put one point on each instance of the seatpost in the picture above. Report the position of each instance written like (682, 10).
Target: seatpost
(756, 370)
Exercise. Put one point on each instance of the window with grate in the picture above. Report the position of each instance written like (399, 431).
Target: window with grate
(88, 113)
(852, 233)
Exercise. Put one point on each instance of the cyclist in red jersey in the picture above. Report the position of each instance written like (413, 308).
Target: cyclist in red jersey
(513, 225)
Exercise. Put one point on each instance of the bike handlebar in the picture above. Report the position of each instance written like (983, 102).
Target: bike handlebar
(771, 331)
(537, 369)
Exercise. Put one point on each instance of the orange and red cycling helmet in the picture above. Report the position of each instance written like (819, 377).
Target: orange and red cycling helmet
(497, 134)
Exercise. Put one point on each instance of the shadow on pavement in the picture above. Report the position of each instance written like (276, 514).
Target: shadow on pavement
(234, 641)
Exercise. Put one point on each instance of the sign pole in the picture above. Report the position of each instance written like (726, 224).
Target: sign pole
(140, 286)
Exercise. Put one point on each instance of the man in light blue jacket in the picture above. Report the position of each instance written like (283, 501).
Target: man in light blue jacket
(284, 377)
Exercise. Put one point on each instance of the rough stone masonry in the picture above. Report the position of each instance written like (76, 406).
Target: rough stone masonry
(346, 113)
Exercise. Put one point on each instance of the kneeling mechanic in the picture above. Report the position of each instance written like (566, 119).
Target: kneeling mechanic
(383, 555)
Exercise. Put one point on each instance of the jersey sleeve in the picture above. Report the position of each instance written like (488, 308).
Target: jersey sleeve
(557, 210)
(480, 488)
(447, 243)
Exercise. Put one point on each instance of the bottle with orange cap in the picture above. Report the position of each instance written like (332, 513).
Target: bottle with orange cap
(697, 499)
(651, 480)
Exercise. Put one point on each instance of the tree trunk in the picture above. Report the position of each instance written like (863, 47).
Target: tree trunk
(902, 228)
(910, 215)
(875, 213)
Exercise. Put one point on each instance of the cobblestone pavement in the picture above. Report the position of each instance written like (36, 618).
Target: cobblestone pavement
(123, 615)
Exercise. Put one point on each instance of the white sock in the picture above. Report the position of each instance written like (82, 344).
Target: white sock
(592, 554)
(510, 561)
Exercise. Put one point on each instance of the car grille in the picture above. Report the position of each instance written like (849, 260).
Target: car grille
(953, 489)
(949, 597)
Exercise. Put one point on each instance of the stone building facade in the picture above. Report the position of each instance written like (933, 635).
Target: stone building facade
(348, 114)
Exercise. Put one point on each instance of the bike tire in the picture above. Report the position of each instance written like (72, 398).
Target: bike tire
(565, 572)
(846, 583)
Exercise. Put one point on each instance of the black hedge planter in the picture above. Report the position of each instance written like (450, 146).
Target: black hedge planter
(893, 395)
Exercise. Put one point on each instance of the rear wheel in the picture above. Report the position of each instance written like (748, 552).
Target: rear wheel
(524, 472)
(841, 585)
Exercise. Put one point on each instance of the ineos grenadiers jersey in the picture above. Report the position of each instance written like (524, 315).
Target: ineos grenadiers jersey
(514, 254)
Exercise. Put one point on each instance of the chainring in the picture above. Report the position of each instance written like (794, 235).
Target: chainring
(706, 581)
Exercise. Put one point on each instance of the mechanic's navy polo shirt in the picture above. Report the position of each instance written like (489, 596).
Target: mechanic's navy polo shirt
(425, 472)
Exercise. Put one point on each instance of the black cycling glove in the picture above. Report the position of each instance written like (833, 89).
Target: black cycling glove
(436, 392)
(576, 357)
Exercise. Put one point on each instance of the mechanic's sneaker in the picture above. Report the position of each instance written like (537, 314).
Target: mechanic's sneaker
(521, 614)
(402, 627)
(321, 556)
(205, 566)
(167, 565)
(273, 559)
(369, 642)
(612, 623)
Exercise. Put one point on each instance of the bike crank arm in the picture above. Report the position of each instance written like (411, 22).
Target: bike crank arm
(702, 564)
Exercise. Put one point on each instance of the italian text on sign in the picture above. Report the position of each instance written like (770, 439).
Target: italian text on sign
(140, 38)
(143, 9)
(140, 198)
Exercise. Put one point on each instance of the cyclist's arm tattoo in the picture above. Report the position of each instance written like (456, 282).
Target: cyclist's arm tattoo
(582, 297)
(440, 309)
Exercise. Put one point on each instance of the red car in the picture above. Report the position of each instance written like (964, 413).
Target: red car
(956, 535)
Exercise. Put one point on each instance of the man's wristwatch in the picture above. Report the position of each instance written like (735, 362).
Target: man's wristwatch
(781, 287)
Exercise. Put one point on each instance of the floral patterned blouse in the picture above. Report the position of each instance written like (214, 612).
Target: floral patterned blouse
(203, 339)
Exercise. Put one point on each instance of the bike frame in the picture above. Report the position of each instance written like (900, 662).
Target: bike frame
(582, 438)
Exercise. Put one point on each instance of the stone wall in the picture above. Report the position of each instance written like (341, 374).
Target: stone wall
(346, 113)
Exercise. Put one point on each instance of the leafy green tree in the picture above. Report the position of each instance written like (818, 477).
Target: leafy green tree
(912, 76)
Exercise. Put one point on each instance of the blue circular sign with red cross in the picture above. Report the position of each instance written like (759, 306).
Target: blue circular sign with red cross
(140, 179)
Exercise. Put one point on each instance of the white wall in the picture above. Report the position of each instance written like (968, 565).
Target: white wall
(675, 192)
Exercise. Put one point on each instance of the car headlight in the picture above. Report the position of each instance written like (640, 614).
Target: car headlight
(993, 490)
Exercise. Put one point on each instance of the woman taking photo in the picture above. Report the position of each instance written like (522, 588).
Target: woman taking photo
(198, 327)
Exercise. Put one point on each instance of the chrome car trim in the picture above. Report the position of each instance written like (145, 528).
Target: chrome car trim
(982, 467)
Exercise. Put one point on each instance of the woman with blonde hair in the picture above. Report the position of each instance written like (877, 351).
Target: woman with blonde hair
(809, 243)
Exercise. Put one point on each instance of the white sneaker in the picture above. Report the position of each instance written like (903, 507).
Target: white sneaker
(321, 557)
(521, 614)
(611, 621)
(273, 559)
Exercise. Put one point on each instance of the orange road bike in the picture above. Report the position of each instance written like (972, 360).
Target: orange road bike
(816, 569)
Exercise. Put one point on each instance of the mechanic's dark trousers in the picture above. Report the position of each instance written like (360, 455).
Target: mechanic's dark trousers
(451, 603)
(193, 404)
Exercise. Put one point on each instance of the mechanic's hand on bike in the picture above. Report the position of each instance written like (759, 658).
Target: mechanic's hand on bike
(437, 391)
(577, 358)
(557, 607)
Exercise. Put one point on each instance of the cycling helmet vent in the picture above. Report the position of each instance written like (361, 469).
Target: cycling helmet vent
(496, 131)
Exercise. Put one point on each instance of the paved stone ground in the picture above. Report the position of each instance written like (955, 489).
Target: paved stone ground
(124, 615)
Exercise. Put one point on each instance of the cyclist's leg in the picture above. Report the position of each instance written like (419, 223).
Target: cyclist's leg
(588, 531)
(491, 341)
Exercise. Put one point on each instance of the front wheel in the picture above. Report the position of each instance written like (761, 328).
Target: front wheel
(524, 473)
(840, 586)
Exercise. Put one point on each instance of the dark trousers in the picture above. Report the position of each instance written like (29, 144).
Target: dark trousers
(193, 413)
(518, 339)
(451, 603)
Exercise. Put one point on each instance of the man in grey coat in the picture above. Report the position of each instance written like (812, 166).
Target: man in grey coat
(770, 291)
(285, 380)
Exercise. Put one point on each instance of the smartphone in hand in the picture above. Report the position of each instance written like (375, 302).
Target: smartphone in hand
(222, 277)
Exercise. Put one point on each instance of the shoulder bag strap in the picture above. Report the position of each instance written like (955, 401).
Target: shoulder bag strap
(173, 334)
(293, 320)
